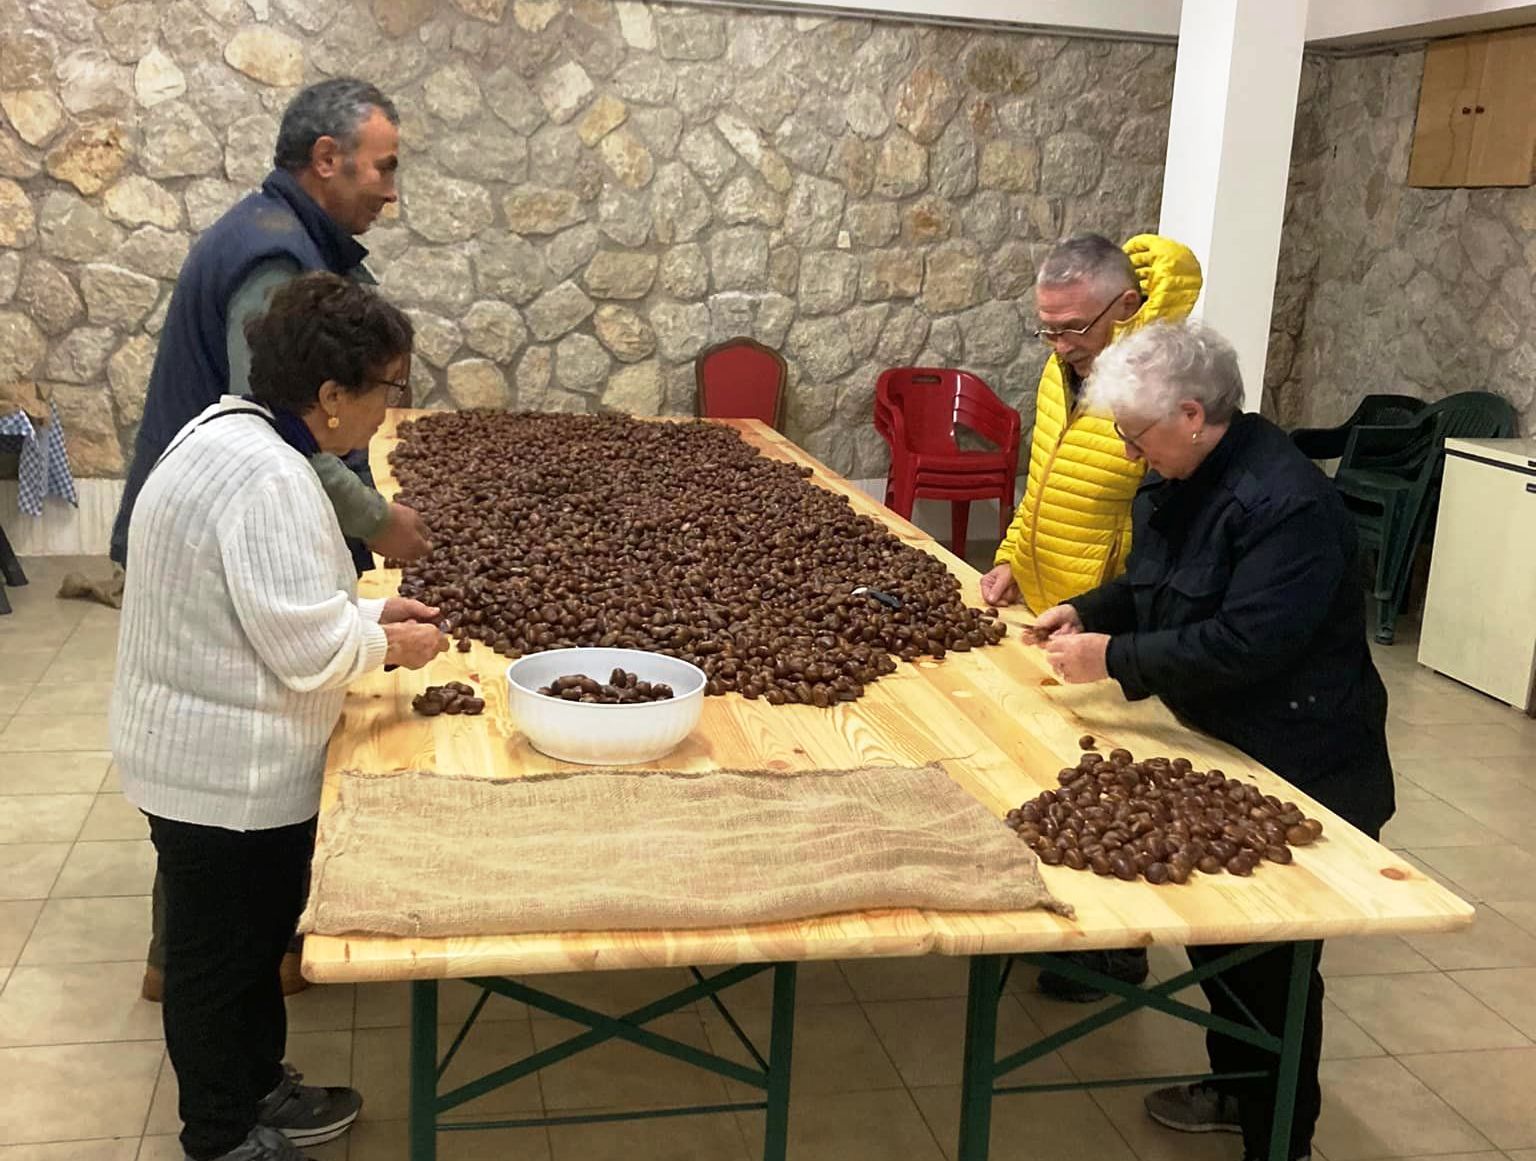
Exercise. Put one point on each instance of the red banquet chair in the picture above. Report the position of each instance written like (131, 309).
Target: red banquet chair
(917, 410)
(740, 379)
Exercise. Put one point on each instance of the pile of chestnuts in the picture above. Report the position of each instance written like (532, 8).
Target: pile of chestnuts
(1160, 820)
(621, 688)
(454, 698)
(554, 531)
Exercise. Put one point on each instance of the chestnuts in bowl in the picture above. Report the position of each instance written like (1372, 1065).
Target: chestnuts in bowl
(596, 733)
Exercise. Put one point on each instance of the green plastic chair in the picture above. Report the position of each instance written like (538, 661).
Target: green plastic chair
(1390, 477)
(1328, 443)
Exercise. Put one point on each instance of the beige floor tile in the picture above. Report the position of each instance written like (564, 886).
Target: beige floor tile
(27, 664)
(1487, 872)
(1064, 1126)
(54, 772)
(863, 1126)
(389, 1005)
(42, 818)
(1450, 777)
(1151, 1141)
(1511, 992)
(322, 1008)
(618, 1075)
(1510, 814)
(107, 868)
(28, 870)
(379, 1068)
(70, 697)
(93, 663)
(387, 1141)
(612, 993)
(1492, 1090)
(1475, 741)
(90, 931)
(113, 817)
(1520, 912)
(715, 1137)
(1521, 1154)
(16, 920)
(11, 696)
(1145, 1043)
(106, 1149)
(926, 1040)
(1518, 771)
(33, 630)
(1370, 956)
(55, 732)
(816, 982)
(76, 1004)
(1436, 701)
(834, 1050)
(1432, 823)
(1421, 1012)
(1493, 941)
(1343, 1039)
(323, 1058)
(926, 977)
(75, 1091)
(1377, 1108)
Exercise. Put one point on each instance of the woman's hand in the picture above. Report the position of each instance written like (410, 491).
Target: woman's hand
(405, 535)
(401, 609)
(998, 586)
(1057, 621)
(412, 644)
(1079, 657)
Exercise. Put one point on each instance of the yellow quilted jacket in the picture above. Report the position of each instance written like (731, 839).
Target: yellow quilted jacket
(1072, 532)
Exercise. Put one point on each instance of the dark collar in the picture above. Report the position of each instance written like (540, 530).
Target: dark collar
(291, 427)
(1175, 501)
(342, 252)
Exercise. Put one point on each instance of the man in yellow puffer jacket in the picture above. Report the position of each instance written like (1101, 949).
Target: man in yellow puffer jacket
(1072, 532)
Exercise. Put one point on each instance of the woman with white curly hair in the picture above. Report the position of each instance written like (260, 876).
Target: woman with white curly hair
(1242, 609)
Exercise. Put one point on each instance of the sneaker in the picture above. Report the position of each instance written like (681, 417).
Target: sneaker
(1194, 1108)
(263, 1144)
(1129, 965)
(306, 1114)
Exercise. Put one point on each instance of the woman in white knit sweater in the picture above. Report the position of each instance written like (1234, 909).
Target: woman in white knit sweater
(241, 630)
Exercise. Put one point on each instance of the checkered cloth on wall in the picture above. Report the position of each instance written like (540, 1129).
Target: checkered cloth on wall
(44, 467)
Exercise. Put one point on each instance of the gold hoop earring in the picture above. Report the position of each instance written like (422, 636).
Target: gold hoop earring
(333, 423)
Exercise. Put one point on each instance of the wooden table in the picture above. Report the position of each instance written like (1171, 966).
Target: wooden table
(1000, 725)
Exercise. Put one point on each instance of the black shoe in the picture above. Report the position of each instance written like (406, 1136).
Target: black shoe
(263, 1144)
(306, 1114)
(1128, 965)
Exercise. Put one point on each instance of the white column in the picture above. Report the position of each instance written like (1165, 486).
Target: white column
(1229, 151)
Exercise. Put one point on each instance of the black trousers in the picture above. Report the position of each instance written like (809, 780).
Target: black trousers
(1262, 984)
(232, 900)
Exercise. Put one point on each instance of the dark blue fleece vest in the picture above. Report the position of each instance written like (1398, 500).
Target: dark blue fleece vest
(191, 367)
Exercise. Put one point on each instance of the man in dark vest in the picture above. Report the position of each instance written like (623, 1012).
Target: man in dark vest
(334, 172)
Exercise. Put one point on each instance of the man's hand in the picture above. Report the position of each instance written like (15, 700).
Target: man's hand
(413, 644)
(401, 609)
(998, 586)
(404, 536)
(1079, 657)
(1057, 621)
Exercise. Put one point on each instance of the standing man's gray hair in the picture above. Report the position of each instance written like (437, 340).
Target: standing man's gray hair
(333, 108)
(1088, 257)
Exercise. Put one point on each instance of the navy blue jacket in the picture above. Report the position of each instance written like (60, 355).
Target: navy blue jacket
(191, 368)
(1242, 607)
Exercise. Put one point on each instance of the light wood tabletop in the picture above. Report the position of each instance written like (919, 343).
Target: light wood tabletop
(996, 720)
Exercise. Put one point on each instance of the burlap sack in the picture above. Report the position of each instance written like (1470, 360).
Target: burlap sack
(418, 854)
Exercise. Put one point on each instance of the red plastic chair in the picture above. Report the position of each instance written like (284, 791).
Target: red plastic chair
(740, 379)
(917, 410)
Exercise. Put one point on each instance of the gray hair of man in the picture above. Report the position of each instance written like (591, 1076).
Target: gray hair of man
(335, 108)
(1151, 371)
(1088, 257)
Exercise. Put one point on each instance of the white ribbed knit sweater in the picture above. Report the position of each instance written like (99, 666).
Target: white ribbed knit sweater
(241, 630)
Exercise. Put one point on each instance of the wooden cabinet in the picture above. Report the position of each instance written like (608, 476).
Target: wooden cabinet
(1477, 111)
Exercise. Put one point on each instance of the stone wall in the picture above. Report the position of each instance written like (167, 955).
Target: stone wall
(593, 191)
(1387, 288)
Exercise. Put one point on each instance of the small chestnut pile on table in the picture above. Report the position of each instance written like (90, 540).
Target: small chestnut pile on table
(454, 698)
(555, 531)
(622, 688)
(1160, 820)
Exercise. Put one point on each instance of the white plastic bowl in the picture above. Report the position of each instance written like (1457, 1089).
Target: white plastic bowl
(604, 735)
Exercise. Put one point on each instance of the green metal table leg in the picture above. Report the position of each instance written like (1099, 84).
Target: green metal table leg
(423, 1070)
(1302, 953)
(776, 1134)
(980, 1057)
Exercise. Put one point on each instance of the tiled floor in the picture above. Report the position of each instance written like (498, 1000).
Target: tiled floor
(1431, 1048)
